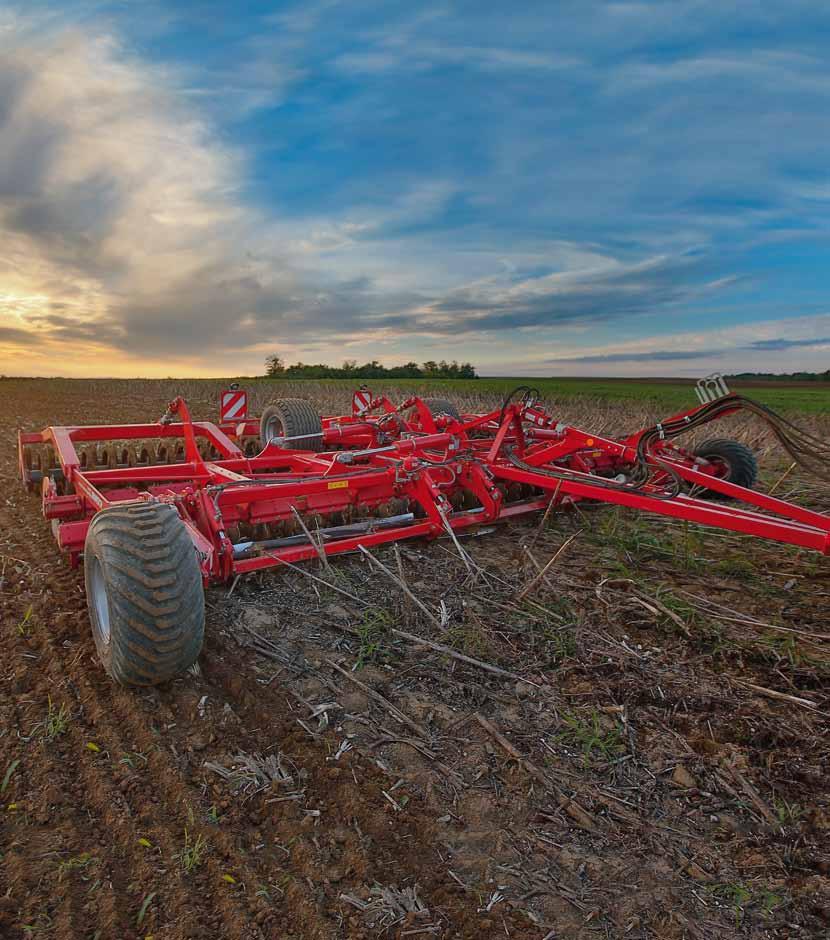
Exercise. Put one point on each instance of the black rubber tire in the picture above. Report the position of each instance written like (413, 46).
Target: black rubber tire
(440, 406)
(292, 417)
(739, 459)
(140, 566)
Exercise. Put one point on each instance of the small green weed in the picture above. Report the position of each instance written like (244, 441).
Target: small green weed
(467, 638)
(688, 614)
(769, 901)
(783, 647)
(788, 813)
(192, 854)
(42, 924)
(690, 547)
(590, 737)
(23, 626)
(8, 775)
(372, 632)
(55, 723)
(142, 911)
(736, 566)
(639, 542)
(71, 864)
(131, 760)
(740, 897)
(560, 644)
(558, 607)
(736, 896)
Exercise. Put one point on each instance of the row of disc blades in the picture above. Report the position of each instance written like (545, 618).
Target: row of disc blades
(113, 454)
(460, 499)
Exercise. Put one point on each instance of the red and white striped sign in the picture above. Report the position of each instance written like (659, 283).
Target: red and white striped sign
(361, 400)
(234, 405)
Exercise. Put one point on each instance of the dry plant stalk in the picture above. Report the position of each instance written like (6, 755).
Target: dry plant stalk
(577, 813)
(535, 580)
(392, 709)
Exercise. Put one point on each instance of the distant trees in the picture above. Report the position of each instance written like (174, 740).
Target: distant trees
(448, 370)
(783, 376)
(276, 368)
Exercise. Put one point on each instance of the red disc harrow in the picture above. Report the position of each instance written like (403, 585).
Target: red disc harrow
(249, 494)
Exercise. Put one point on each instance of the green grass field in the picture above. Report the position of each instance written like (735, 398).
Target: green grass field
(657, 396)
(671, 395)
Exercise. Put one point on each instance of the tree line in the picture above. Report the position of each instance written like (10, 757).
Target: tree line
(783, 376)
(275, 368)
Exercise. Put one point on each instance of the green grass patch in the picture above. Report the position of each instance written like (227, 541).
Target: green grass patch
(192, 853)
(467, 638)
(633, 537)
(373, 633)
(742, 898)
(736, 566)
(76, 862)
(56, 721)
(560, 644)
(594, 736)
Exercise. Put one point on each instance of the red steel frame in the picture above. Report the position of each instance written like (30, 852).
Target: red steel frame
(433, 464)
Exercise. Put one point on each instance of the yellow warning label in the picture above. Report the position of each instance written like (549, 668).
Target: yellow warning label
(339, 485)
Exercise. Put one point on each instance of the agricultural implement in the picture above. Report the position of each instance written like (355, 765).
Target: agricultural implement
(157, 511)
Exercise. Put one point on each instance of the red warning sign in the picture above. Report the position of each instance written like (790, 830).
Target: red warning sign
(234, 405)
(361, 400)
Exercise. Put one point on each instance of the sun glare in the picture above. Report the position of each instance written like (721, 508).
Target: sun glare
(21, 305)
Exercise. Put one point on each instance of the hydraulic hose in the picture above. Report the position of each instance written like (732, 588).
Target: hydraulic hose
(805, 448)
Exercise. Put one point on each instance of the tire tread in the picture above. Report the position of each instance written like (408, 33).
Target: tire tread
(154, 590)
(298, 417)
(441, 406)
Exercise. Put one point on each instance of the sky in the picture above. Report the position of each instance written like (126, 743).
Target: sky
(544, 188)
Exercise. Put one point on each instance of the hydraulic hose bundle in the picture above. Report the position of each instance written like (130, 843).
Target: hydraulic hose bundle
(805, 448)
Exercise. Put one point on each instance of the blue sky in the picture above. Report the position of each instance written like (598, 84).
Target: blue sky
(626, 188)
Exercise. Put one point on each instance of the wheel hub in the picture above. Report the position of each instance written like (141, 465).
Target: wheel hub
(99, 600)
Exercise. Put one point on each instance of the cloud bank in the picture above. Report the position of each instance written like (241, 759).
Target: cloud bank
(123, 208)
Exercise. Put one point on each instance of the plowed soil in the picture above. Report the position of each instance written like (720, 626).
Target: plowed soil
(663, 773)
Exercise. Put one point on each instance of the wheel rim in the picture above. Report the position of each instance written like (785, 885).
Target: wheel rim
(273, 428)
(99, 600)
(721, 462)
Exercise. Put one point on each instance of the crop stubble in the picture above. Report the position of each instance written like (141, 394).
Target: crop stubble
(643, 787)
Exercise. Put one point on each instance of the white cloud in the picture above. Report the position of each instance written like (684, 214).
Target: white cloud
(118, 201)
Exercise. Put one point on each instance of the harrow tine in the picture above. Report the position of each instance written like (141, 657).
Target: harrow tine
(469, 564)
(318, 547)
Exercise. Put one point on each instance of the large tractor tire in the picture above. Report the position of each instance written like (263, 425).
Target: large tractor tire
(144, 591)
(294, 418)
(440, 406)
(739, 462)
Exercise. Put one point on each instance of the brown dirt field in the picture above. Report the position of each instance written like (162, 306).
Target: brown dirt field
(643, 787)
